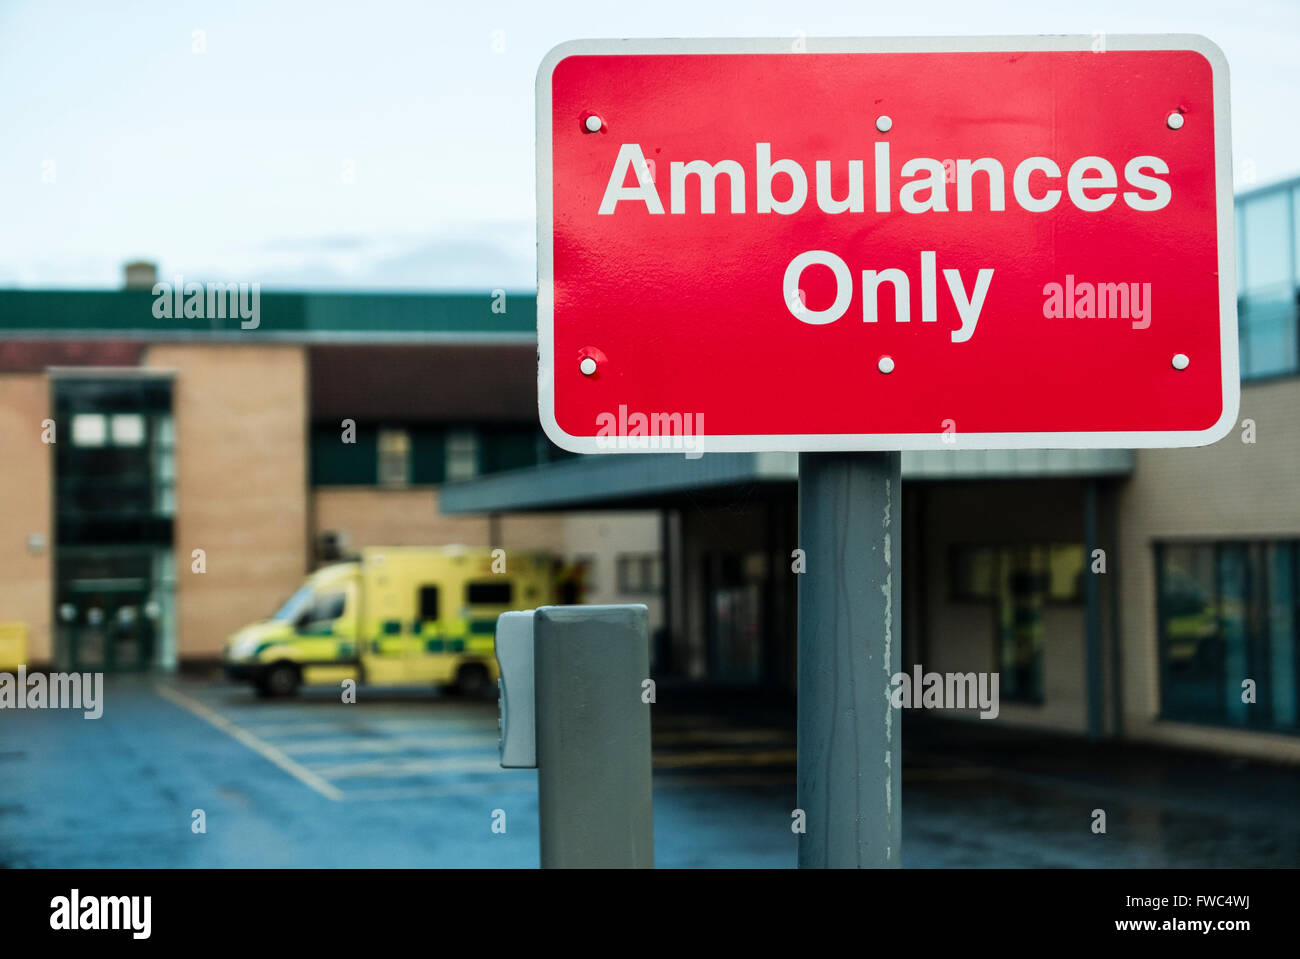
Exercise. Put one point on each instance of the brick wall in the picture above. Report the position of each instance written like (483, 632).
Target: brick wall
(241, 484)
(26, 576)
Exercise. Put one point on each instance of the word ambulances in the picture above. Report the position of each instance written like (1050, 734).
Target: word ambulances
(1090, 183)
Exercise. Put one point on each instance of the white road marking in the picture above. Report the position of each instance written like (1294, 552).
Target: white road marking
(395, 744)
(442, 792)
(351, 726)
(397, 768)
(259, 746)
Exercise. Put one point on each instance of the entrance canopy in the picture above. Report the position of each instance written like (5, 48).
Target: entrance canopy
(658, 480)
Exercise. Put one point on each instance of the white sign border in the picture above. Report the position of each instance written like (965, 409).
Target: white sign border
(828, 442)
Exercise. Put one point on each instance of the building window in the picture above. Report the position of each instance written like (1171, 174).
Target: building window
(394, 457)
(979, 573)
(126, 429)
(488, 594)
(1266, 303)
(974, 574)
(428, 600)
(1228, 615)
(162, 451)
(584, 568)
(462, 455)
(112, 558)
(1017, 583)
(89, 429)
(638, 574)
(116, 429)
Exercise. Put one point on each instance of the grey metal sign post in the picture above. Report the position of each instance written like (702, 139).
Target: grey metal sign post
(850, 643)
(572, 705)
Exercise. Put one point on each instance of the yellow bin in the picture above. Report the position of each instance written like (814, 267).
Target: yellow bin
(13, 646)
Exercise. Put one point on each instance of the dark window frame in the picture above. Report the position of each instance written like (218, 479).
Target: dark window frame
(956, 597)
(1004, 562)
(493, 587)
(651, 570)
(1257, 605)
(422, 614)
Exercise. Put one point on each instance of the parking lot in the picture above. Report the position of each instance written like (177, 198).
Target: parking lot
(412, 779)
(396, 779)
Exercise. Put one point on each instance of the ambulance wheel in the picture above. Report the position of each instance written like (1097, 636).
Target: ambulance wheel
(281, 679)
(472, 679)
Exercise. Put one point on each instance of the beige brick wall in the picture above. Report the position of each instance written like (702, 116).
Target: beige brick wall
(543, 532)
(241, 483)
(605, 537)
(1229, 490)
(409, 516)
(374, 516)
(26, 578)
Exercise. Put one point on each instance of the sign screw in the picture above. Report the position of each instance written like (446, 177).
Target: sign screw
(1175, 121)
(884, 124)
(886, 364)
(1181, 361)
(588, 366)
(592, 124)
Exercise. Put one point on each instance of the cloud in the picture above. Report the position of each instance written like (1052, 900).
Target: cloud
(488, 256)
(493, 256)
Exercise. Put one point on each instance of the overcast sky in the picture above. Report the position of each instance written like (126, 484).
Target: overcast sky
(390, 144)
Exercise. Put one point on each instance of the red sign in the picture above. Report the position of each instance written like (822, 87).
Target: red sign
(885, 244)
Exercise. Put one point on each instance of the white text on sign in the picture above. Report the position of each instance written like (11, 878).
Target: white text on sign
(1091, 184)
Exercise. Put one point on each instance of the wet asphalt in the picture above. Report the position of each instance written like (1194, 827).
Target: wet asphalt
(411, 779)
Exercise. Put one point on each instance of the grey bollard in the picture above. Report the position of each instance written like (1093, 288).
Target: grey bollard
(593, 736)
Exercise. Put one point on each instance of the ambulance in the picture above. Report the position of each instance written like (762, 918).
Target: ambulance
(396, 616)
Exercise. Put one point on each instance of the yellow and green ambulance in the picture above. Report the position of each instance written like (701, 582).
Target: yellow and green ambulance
(397, 616)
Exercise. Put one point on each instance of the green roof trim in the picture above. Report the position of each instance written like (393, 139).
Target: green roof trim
(279, 314)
